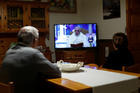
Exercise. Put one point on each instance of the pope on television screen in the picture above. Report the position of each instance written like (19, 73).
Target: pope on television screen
(75, 35)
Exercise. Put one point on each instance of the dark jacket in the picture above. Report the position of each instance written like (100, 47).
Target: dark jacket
(119, 58)
(23, 65)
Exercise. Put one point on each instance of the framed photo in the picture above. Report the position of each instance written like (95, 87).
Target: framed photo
(111, 9)
(63, 6)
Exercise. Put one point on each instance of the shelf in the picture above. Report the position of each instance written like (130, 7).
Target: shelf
(38, 19)
(12, 18)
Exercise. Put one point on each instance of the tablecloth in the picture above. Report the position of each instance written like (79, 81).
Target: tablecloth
(104, 81)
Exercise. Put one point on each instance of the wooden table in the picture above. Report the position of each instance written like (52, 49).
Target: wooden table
(68, 86)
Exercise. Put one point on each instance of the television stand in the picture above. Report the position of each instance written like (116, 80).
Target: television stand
(87, 56)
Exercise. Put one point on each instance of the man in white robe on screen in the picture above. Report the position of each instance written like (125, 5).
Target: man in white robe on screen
(77, 39)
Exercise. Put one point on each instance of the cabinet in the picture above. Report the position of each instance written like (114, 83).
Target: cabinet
(87, 56)
(0, 17)
(15, 15)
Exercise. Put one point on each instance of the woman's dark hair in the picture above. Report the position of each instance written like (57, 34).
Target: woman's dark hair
(120, 40)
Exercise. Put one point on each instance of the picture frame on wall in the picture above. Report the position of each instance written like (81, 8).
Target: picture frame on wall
(111, 9)
(63, 6)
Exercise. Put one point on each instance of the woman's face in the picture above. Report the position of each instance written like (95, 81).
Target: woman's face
(117, 41)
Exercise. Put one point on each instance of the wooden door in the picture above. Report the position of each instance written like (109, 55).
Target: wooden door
(13, 16)
(38, 16)
(133, 27)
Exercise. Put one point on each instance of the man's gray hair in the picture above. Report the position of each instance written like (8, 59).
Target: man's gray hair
(28, 34)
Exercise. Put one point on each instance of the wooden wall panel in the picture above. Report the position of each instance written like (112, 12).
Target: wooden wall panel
(4, 45)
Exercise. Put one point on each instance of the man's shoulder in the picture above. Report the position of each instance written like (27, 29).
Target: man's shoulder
(29, 49)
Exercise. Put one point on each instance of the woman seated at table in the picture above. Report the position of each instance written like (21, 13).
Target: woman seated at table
(121, 56)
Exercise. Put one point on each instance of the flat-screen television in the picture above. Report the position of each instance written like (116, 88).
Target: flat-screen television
(71, 36)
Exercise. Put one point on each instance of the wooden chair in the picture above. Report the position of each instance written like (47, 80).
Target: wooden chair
(92, 65)
(6, 88)
(124, 68)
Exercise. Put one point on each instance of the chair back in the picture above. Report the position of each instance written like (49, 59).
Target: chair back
(6, 88)
(134, 68)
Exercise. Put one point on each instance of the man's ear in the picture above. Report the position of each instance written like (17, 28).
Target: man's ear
(35, 43)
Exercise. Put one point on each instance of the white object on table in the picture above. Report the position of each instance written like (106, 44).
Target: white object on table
(68, 67)
(104, 81)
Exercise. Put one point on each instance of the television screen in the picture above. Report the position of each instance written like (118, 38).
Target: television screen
(75, 35)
